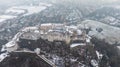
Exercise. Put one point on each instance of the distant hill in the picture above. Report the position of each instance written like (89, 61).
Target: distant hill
(108, 33)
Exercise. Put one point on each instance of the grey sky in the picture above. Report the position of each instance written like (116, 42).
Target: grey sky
(14, 2)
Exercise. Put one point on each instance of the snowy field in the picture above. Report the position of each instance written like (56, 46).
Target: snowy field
(23, 10)
(31, 9)
(111, 34)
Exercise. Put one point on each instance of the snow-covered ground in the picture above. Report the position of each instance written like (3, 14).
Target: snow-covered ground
(3, 56)
(118, 47)
(6, 17)
(111, 34)
(34, 9)
(45, 4)
(14, 11)
(94, 63)
(1, 20)
(31, 9)
(99, 55)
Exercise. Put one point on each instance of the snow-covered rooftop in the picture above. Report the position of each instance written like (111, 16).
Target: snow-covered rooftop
(46, 24)
(110, 18)
(76, 44)
(30, 35)
(72, 27)
(10, 44)
(49, 24)
(29, 28)
(79, 32)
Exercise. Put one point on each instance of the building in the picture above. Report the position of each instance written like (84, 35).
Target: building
(11, 46)
(46, 27)
(56, 35)
(30, 35)
(30, 29)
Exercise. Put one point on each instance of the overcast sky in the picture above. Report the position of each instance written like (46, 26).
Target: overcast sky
(12, 2)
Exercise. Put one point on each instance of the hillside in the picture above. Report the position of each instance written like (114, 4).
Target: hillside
(108, 33)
